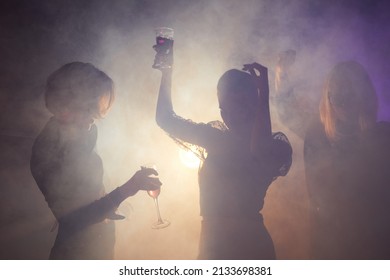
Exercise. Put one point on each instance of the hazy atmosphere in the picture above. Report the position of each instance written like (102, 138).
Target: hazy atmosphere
(37, 37)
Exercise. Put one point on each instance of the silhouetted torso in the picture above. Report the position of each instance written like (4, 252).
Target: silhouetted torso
(349, 186)
(233, 185)
(69, 173)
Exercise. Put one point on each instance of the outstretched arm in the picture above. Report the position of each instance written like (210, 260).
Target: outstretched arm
(66, 208)
(101, 209)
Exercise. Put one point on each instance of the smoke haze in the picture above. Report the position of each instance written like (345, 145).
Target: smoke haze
(37, 37)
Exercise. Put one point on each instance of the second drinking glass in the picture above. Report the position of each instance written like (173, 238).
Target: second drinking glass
(160, 223)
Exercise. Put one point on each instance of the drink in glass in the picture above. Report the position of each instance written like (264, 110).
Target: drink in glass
(164, 48)
(160, 223)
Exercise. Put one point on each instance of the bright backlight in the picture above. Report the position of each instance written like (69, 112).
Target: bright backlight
(189, 159)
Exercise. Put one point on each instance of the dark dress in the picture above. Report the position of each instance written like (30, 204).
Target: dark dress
(349, 187)
(348, 184)
(232, 187)
(70, 174)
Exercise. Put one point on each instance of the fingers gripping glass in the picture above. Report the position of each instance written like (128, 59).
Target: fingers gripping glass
(160, 223)
(163, 48)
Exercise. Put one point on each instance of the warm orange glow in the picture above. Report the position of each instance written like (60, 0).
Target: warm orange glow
(189, 159)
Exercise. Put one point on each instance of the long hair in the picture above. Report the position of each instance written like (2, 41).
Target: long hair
(354, 75)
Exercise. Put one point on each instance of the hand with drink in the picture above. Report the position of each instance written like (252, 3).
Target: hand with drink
(163, 48)
(144, 179)
(154, 193)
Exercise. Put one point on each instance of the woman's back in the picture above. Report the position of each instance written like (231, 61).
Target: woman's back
(348, 183)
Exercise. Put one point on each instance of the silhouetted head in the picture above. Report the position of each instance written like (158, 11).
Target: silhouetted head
(349, 102)
(237, 96)
(78, 93)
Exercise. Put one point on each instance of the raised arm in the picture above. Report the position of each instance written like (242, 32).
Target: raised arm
(274, 147)
(261, 132)
(164, 111)
(177, 127)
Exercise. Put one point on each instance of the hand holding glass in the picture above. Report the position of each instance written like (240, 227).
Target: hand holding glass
(163, 48)
(160, 223)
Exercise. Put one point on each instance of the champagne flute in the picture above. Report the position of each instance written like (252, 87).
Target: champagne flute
(160, 223)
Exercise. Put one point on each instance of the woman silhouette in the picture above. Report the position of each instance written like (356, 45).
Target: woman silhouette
(346, 153)
(243, 158)
(68, 170)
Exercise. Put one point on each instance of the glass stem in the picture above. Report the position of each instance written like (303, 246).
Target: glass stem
(158, 210)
